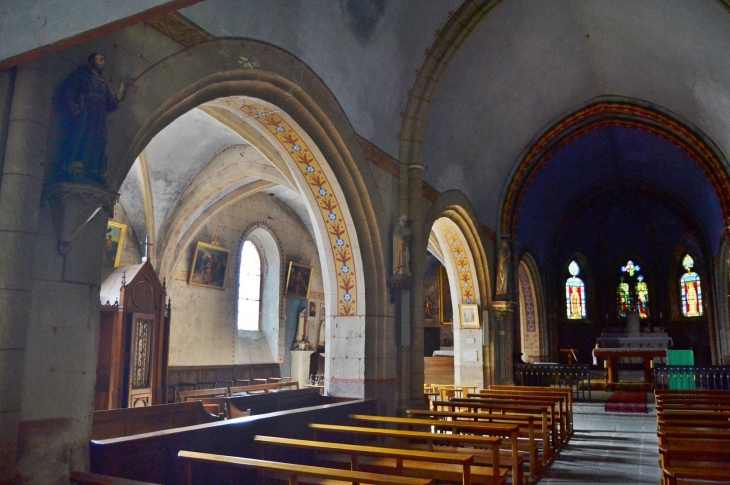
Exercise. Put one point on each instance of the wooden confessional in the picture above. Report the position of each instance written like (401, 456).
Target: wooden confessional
(134, 339)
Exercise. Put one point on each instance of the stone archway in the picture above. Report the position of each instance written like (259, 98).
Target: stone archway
(533, 331)
(454, 236)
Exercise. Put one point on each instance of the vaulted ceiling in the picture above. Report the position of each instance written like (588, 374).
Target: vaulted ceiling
(527, 64)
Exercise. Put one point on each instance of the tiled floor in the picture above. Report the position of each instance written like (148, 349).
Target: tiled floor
(607, 448)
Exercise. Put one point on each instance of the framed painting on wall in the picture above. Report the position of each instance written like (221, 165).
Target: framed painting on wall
(469, 314)
(297, 280)
(113, 244)
(446, 310)
(210, 266)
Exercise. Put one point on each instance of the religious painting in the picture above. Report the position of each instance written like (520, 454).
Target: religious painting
(575, 294)
(312, 308)
(210, 266)
(691, 290)
(113, 243)
(642, 298)
(297, 281)
(469, 313)
(446, 309)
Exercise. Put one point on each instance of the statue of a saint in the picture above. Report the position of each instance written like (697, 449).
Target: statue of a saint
(83, 101)
(503, 269)
(427, 308)
(401, 254)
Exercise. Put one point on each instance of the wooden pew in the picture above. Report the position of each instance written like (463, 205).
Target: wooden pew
(695, 461)
(253, 389)
(297, 473)
(410, 463)
(566, 394)
(116, 423)
(526, 429)
(81, 478)
(512, 411)
(693, 430)
(512, 459)
(201, 393)
(557, 403)
(498, 474)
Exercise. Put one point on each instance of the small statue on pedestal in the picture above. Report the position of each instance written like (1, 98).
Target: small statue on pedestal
(301, 342)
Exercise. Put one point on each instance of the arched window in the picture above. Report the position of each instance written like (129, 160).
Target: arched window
(642, 297)
(249, 287)
(575, 293)
(691, 290)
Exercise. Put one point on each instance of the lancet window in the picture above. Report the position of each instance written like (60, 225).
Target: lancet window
(691, 290)
(249, 287)
(636, 301)
(575, 293)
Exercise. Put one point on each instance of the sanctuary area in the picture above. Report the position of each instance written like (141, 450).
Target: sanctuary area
(364, 241)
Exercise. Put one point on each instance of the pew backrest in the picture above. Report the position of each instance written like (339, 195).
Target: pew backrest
(294, 471)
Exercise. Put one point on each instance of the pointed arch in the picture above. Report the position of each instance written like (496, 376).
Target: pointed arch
(286, 88)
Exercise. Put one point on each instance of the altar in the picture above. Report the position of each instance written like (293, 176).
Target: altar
(612, 356)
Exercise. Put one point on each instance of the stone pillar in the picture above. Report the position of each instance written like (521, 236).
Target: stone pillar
(418, 261)
(60, 358)
(20, 196)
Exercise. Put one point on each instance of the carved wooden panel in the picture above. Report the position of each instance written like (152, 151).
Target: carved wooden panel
(142, 336)
(143, 295)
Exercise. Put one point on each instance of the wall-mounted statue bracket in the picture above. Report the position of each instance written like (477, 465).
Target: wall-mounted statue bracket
(73, 206)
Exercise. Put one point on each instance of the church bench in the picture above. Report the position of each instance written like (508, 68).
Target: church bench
(216, 392)
(419, 464)
(566, 394)
(81, 478)
(116, 423)
(187, 378)
(692, 433)
(695, 461)
(498, 475)
(526, 429)
(557, 409)
(252, 389)
(512, 459)
(547, 432)
(152, 457)
(296, 473)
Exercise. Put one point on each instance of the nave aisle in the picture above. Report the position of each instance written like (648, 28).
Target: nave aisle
(607, 448)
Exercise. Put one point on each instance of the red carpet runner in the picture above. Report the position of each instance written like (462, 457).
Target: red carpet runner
(626, 402)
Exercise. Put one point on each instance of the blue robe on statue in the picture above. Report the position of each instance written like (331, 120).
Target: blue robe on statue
(84, 101)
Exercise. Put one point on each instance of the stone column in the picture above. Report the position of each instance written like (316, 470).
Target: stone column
(418, 261)
(20, 196)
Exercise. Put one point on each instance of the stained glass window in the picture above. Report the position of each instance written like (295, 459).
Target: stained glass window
(575, 293)
(691, 290)
(249, 287)
(623, 298)
(642, 297)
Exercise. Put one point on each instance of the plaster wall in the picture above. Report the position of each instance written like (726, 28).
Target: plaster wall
(203, 330)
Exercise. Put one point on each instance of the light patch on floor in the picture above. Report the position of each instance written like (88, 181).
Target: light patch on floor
(607, 448)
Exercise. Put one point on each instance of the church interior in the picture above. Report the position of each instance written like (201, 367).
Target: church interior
(229, 226)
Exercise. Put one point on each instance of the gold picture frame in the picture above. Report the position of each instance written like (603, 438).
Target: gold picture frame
(210, 266)
(298, 279)
(113, 244)
(446, 308)
(469, 315)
